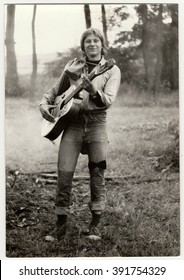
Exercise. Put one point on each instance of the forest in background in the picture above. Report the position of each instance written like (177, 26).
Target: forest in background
(147, 55)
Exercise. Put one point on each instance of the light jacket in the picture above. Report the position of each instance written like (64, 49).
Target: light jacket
(107, 85)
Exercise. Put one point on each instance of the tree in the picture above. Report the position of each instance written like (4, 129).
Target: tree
(147, 43)
(170, 48)
(87, 14)
(12, 82)
(104, 23)
(153, 41)
(34, 56)
(159, 60)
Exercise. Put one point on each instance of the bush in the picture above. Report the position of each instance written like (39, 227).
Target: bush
(55, 68)
(169, 160)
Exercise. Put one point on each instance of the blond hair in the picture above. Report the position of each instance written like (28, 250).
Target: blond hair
(97, 33)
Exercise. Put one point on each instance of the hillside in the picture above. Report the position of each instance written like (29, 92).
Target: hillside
(24, 62)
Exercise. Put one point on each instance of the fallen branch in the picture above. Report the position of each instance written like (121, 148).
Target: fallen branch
(54, 176)
(48, 175)
(52, 179)
(152, 180)
(46, 181)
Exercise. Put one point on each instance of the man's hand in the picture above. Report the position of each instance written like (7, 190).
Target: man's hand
(45, 111)
(88, 86)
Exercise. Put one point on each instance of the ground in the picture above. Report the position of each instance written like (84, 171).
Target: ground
(141, 219)
(142, 212)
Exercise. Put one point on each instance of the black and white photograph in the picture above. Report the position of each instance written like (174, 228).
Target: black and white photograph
(92, 150)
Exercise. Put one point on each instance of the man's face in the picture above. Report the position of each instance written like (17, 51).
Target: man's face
(93, 47)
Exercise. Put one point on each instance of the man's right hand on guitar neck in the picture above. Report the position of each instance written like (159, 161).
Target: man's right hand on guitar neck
(45, 111)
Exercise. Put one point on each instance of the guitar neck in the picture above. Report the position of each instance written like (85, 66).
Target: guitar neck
(108, 65)
(78, 89)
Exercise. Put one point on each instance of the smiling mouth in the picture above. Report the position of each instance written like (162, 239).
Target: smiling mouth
(92, 49)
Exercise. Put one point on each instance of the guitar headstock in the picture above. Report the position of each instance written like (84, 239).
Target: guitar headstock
(110, 63)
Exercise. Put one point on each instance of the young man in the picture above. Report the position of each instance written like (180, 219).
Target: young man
(87, 132)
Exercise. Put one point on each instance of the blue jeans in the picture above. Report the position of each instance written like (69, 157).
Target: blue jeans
(87, 134)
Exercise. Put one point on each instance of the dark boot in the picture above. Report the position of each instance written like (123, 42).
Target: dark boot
(61, 226)
(94, 233)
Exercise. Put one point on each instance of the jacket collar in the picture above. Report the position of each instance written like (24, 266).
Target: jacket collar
(102, 61)
(74, 70)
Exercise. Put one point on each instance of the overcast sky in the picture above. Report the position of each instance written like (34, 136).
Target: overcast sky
(58, 27)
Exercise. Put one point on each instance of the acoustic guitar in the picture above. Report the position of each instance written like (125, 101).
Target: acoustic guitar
(66, 109)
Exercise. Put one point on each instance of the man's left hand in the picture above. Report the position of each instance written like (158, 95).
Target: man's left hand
(87, 85)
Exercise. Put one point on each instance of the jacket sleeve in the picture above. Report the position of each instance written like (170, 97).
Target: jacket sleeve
(108, 94)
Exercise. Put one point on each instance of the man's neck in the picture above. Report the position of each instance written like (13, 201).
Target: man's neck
(92, 61)
(94, 58)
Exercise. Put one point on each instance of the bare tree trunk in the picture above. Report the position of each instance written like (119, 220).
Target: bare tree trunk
(170, 69)
(87, 14)
(34, 57)
(159, 59)
(174, 48)
(146, 47)
(104, 23)
(12, 83)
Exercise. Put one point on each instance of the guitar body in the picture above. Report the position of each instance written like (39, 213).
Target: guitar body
(63, 116)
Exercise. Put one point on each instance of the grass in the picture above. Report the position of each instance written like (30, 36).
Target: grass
(139, 220)
(141, 217)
